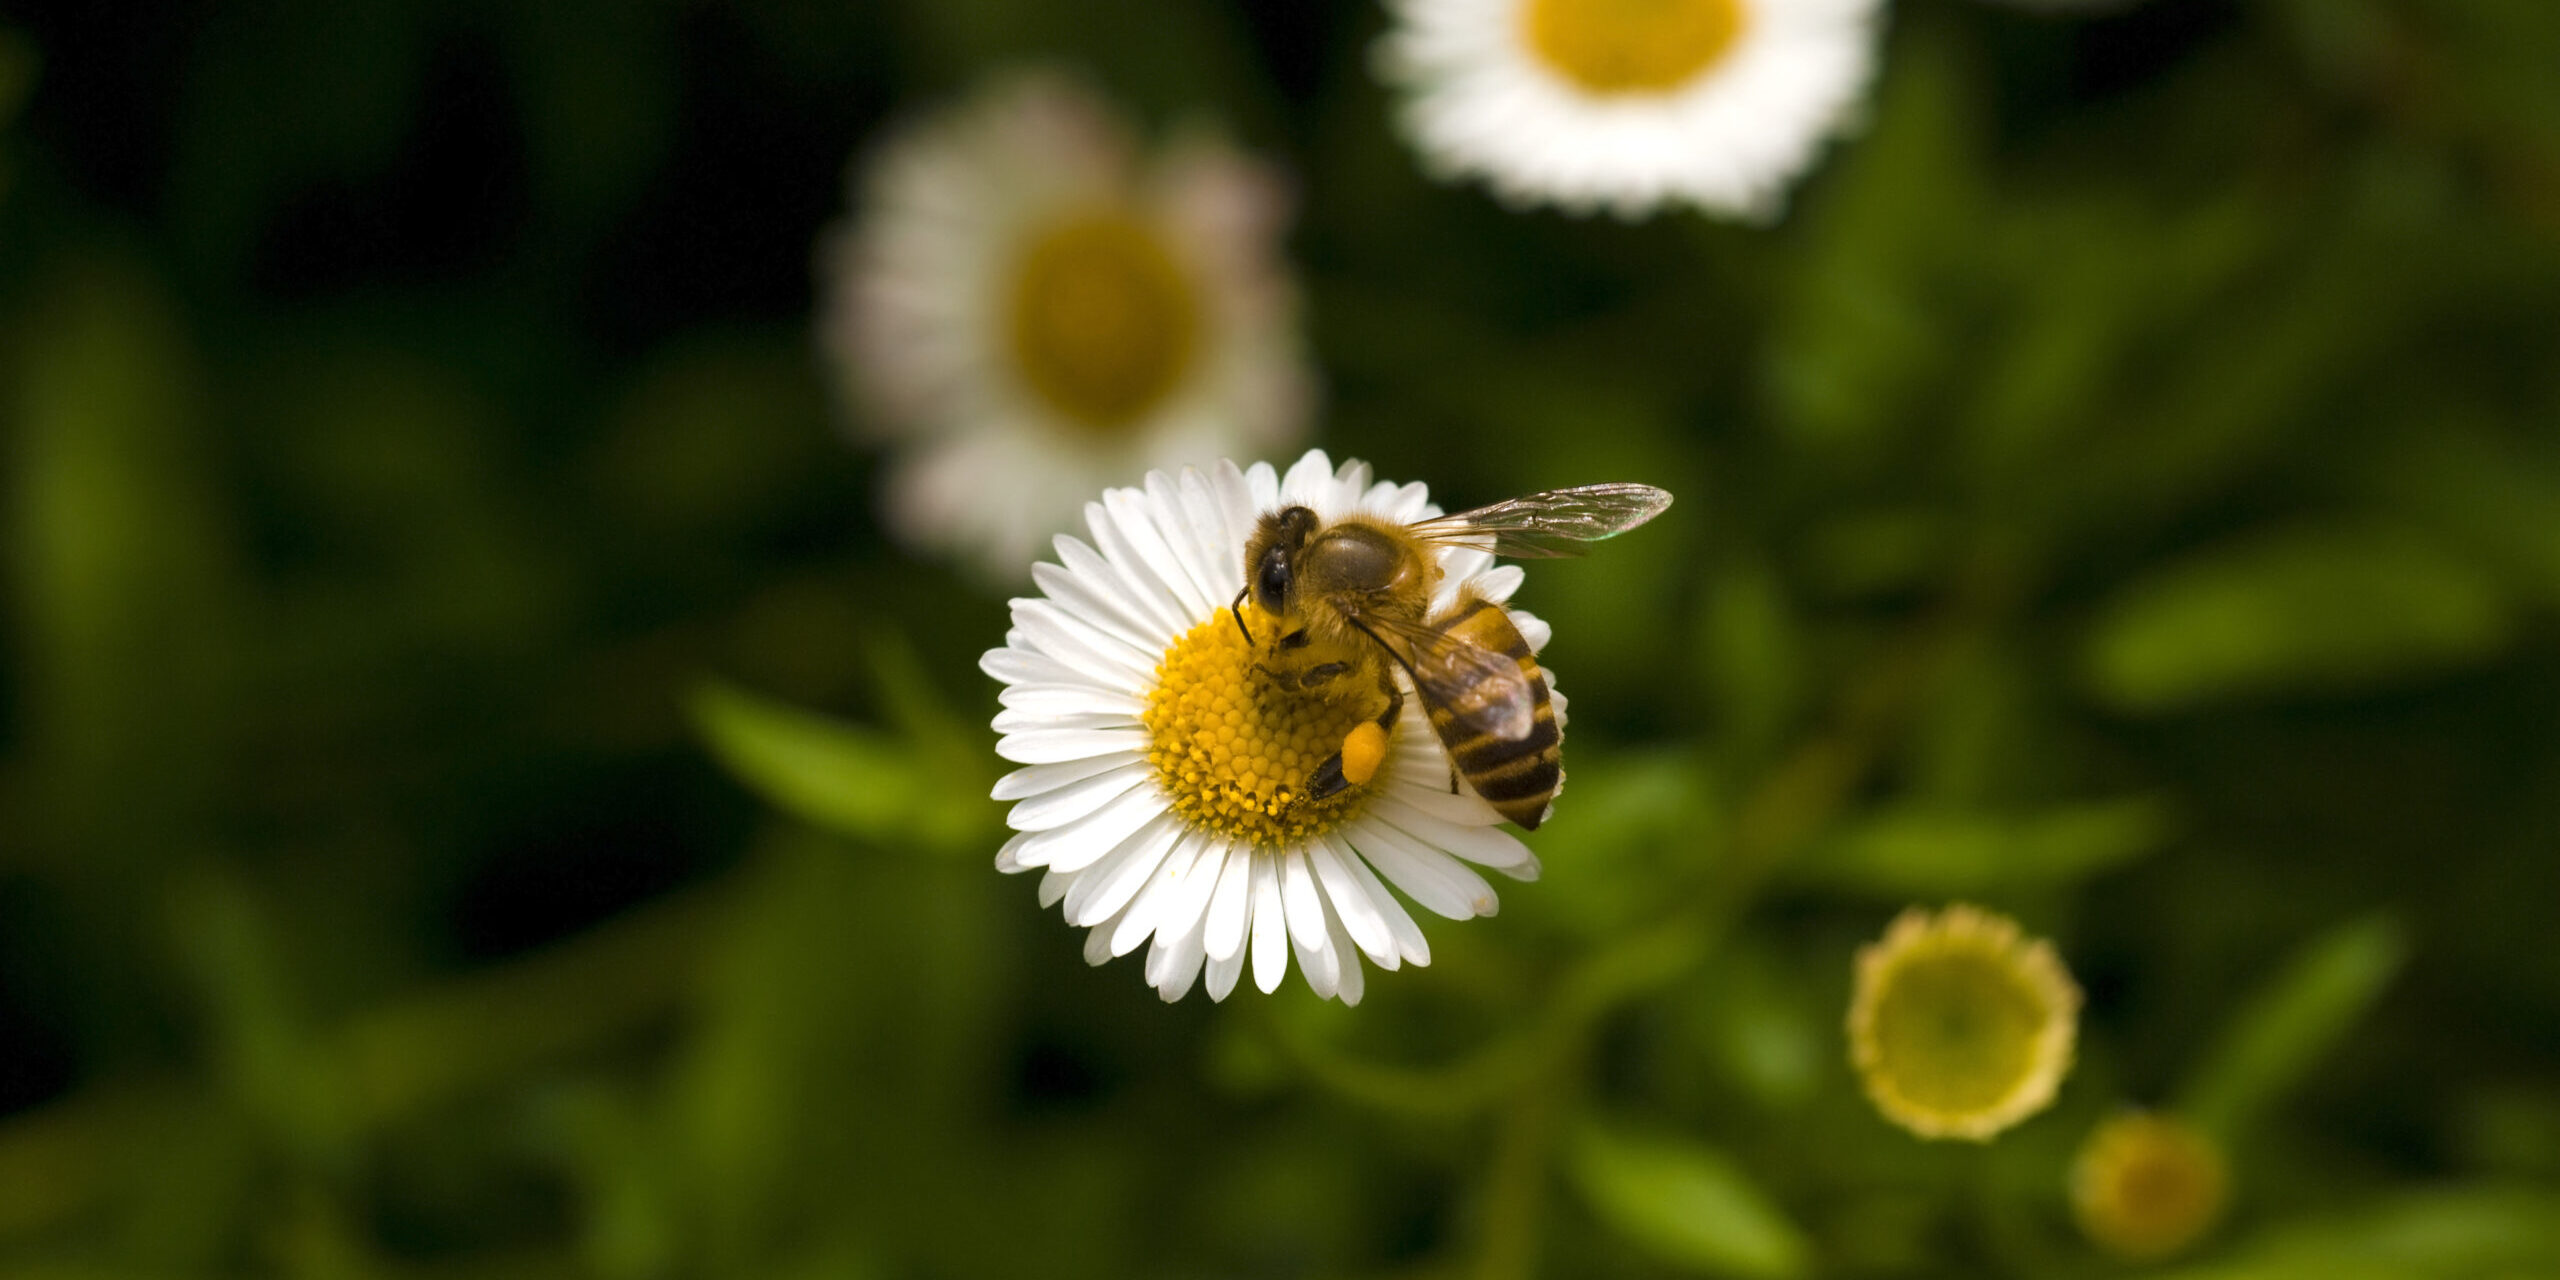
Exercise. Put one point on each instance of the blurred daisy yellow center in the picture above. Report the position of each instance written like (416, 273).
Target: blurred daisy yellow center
(1233, 750)
(2146, 1186)
(1958, 1032)
(1959, 1026)
(1102, 320)
(1632, 46)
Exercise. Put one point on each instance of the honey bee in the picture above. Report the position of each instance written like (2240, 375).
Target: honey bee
(1345, 591)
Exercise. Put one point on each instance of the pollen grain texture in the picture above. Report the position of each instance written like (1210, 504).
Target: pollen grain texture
(1233, 749)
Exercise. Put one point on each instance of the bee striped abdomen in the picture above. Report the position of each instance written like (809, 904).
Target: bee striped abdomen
(1517, 773)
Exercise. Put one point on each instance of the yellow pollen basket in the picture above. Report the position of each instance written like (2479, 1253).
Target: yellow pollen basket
(1233, 749)
(1632, 46)
(1101, 320)
(1363, 750)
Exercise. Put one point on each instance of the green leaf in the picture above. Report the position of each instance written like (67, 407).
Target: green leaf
(1752, 646)
(2299, 610)
(118, 546)
(2293, 1022)
(2494, 494)
(1924, 853)
(2457, 1233)
(842, 777)
(1864, 332)
(1684, 1202)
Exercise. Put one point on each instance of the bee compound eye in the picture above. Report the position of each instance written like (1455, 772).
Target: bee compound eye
(1271, 580)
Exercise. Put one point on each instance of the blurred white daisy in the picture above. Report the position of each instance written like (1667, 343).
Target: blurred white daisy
(1027, 309)
(1151, 794)
(1629, 105)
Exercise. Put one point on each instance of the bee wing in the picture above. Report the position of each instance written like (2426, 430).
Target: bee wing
(1483, 689)
(1547, 524)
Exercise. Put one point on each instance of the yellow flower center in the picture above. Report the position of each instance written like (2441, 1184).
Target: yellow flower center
(1632, 46)
(1958, 1032)
(2146, 1186)
(1102, 320)
(1959, 1025)
(1234, 749)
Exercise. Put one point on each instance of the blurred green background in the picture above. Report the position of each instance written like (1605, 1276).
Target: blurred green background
(479, 797)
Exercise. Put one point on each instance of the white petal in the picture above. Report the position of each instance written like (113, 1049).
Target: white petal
(1078, 845)
(1462, 808)
(1270, 927)
(1361, 919)
(1079, 644)
(1223, 974)
(1035, 779)
(1016, 720)
(1462, 565)
(1135, 589)
(1173, 976)
(1071, 699)
(1215, 544)
(1056, 746)
(1076, 800)
(1005, 861)
(1178, 900)
(1236, 504)
(1441, 883)
(1100, 603)
(1411, 503)
(1053, 888)
(1487, 846)
(1298, 895)
(1318, 964)
(1309, 482)
(1533, 629)
(1410, 944)
(1106, 887)
(1263, 484)
(1230, 905)
(1159, 903)
(1497, 584)
(1347, 981)
(1019, 664)
(1148, 572)
(1182, 536)
(1097, 947)
(1127, 509)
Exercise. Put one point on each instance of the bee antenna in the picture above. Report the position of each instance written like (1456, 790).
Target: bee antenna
(1238, 614)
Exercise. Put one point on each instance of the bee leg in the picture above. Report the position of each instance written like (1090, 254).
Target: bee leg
(1363, 749)
(1322, 674)
(1327, 779)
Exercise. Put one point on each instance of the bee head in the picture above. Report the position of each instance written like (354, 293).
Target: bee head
(1271, 558)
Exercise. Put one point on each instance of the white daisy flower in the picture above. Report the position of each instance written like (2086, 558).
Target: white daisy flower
(1629, 105)
(1152, 757)
(1030, 309)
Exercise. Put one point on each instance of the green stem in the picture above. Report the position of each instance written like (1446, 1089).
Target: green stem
(1516, 1182)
